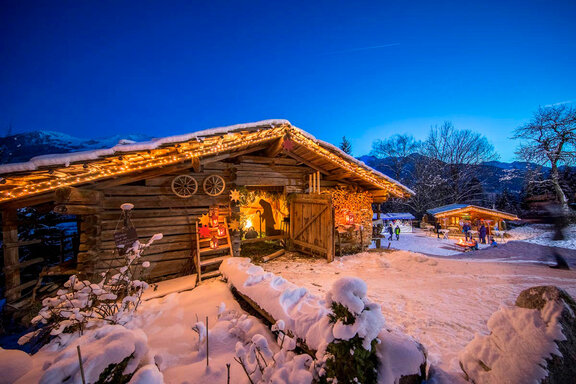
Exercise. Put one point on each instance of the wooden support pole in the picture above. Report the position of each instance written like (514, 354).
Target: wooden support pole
(11, 253)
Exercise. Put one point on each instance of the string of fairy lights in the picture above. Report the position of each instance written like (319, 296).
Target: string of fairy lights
(192, 150)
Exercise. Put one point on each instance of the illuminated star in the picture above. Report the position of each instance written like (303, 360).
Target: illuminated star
(234, 225)
(204, 231)
(288, 144)
(204, 220)
(234, 195)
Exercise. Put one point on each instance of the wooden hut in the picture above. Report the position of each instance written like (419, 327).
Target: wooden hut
(177, 184)
(452, 216)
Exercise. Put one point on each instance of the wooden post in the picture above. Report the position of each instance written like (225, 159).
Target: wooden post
(11, 254)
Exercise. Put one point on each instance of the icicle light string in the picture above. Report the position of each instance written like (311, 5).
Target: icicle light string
(193, 149)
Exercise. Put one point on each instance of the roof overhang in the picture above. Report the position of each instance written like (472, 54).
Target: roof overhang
(45, 174)
(477, 209)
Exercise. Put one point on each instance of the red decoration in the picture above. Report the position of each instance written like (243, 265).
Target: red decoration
(221, 230)
(214, 242)
(349, 217)
(204, 231)
(288, 144)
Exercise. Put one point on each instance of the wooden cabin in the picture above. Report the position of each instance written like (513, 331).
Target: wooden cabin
(452, 216)
(240, 183)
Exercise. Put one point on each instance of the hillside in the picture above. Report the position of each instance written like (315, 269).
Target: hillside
(22, 147)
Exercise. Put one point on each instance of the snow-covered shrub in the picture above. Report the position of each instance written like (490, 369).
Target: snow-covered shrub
(351, 356)
(81, 304)
(110, 354)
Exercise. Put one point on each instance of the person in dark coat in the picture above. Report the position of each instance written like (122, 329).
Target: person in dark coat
(466, 229)
(390, 232)
(397, 232)
(438, 228)
(482, 234)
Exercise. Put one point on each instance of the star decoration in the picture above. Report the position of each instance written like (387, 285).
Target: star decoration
(234, 225)
(234, 195)
(205, 220)
(204, 231)
(288, 144)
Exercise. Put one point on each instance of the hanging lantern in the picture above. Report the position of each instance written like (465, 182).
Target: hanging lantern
(214, 242)
(349, 218)
(214, 220)
(221, 230)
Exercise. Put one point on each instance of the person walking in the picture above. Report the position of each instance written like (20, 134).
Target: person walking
(390, 232)
(397, 232)
(438, 228)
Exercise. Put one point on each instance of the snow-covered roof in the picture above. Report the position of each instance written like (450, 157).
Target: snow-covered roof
(445, 208)
(73, 157)
(397, 216)
(48, 172)
(454, 208)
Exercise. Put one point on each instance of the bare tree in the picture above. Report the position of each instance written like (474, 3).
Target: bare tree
(397, 150)
(456, 153)
(550, 139)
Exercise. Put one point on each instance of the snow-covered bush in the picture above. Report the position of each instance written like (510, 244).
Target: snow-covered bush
(81, 304)
(110, 354)
(351, 356)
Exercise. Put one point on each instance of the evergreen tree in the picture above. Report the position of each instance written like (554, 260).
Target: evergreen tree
(346, 146)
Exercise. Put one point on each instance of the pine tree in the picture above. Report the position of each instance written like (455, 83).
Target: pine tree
(346, 146)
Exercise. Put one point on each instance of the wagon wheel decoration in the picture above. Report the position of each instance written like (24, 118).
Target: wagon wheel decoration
(184, 186)
(214, 185)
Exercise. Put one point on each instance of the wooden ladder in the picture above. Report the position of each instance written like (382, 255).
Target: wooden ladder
(208, 259)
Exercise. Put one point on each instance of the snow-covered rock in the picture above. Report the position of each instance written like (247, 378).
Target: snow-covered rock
(532, 342)
(13, 365)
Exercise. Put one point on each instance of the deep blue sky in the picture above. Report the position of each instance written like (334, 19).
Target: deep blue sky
(362, 69)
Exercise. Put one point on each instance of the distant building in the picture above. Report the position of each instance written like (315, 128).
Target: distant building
(454, 215)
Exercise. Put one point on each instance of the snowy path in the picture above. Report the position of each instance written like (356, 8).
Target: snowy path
(440, 302)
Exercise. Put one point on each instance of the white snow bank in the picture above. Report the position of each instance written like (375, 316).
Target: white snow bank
(148, 374)
(109, 344)
(515, 351)
(305, 315)
(13, 365)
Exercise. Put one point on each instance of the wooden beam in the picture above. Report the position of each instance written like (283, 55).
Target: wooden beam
(306, 162)
(275, 147)
(72, 195)
(11, 254)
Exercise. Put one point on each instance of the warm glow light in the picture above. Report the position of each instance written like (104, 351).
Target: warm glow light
(194, 148)
(214, 242)
(221, 230)
(248, 224)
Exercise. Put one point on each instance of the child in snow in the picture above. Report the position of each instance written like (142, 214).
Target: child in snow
(390, 232)
(397, 232)
(494, 244)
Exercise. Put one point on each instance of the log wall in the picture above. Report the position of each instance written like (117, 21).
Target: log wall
(158, 210)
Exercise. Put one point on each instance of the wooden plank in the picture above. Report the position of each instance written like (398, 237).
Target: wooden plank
(28, 263)
(154, 221)
(72, 195)
(74, 209)
(310, 221)
(166, 201)
(305, 245)
(16, 290)
(11, 254)
(272, 256)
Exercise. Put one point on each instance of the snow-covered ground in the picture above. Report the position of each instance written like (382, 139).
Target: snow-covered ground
(165, 326)
(422, 242)
(440, 302)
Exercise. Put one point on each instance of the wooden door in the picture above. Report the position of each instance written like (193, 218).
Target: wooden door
(312, 225)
